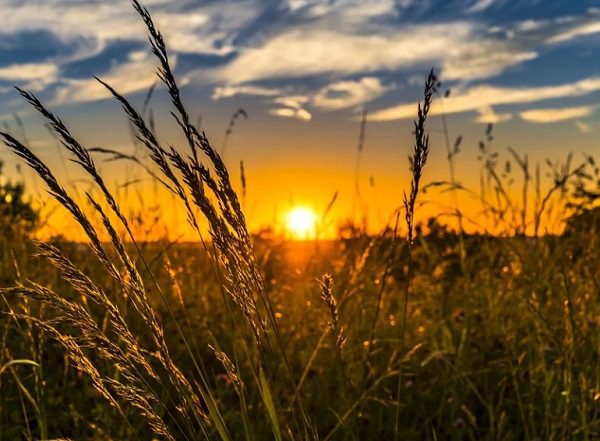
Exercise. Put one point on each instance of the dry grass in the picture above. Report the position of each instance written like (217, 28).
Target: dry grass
(224, 340)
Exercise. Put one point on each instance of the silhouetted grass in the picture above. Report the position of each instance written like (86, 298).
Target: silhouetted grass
(417, 332)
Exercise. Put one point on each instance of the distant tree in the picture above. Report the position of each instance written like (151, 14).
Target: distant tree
(586, 220)
(16, 214)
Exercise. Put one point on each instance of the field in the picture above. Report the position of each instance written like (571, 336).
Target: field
(418, 332)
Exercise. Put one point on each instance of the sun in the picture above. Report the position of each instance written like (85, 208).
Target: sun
(301, 223)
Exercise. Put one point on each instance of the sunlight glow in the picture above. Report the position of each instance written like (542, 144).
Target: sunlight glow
(301, 223)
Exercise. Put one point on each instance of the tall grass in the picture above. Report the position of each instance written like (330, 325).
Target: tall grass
(231, 338)
(191, 407)
(417, 164)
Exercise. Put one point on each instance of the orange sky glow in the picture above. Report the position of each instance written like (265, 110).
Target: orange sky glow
(304, 72)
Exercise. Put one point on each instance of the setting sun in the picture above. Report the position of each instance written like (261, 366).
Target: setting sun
(301, 223)
(365, 206)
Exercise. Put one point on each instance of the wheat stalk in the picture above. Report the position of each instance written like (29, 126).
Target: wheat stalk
(417, 163)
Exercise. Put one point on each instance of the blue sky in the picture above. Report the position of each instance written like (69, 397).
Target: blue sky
(301, 58)
(304, 70)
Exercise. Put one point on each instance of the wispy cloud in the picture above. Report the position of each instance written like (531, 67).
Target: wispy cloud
(288, 112)
(346, 10)
(31, 76)
(583, 127)
(480, 5)
(333, 96)
(577, 30)
(233, 90)
(487, 115)
(294, 101)
(135, 75)
(343, 94)
(545, 116)
(28, 71)
(482, 96)
(292, 107)
(208, 28)
(311, 51)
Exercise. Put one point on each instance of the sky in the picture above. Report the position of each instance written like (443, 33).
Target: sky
(304, 71)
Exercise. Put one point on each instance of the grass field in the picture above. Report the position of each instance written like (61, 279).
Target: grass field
(419, 332)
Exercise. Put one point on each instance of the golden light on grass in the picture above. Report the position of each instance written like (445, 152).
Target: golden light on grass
(268, 306)
(301, 223)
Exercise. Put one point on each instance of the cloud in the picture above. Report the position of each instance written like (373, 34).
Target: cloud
(295, 101)
(530, 25)
(137, 74)
(233, 90)
(208, 29)
(28, 71)
(346, 10)
(334, 96)
(31, 76)
(312, 51)
(89, 28)
(292, 107)
(545, 116)
(578, 30)
(488, 116)
(345, 94)
(481, 96)
(340, 40)
(339, 45)
(583, 127)
(480, 5)
(330, 41)
(483, 60)
(301, 114)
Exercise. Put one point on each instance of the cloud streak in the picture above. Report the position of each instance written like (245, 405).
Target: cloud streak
(234, 90)
(288, 112)
(546, 116)
(28, 71)
(484, 96)
(487, 115)
(480, 5)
